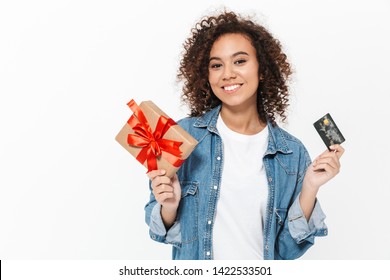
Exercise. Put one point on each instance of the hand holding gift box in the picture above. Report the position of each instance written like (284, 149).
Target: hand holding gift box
(154, 139)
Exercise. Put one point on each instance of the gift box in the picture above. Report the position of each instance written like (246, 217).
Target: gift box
(154, 139)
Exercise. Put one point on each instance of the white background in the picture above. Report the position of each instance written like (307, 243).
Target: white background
(68, 68)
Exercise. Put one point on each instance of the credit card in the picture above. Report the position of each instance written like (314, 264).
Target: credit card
(328, 130)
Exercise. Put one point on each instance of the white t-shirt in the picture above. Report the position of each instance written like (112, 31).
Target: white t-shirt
(241, 207)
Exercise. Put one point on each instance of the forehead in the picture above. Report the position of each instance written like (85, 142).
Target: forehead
(231, 43)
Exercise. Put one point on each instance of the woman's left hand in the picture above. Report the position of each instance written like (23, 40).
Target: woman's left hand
(324, 167)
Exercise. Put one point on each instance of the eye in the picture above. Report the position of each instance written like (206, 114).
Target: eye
(215, 65)
(240, 61)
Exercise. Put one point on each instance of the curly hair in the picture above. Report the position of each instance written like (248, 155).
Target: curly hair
(274, 68)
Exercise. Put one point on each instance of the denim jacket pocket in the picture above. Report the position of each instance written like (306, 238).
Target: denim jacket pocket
(188, 211)
(281, 214)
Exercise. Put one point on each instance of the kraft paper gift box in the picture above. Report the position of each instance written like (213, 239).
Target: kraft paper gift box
(154, 139)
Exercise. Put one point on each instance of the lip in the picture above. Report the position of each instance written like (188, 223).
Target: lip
(231, 88)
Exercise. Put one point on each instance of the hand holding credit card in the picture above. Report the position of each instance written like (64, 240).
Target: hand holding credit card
(328, 131)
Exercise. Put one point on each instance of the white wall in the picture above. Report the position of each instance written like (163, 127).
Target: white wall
(68, 68)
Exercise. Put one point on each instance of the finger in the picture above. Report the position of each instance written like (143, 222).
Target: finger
(331, 156)
(333, 162)
(161, 198)
(154, 173)
(161, 180)
(327, 168)
(162, 189)
(323, 167)
(337, 149)
(163, 192)
(324, 153)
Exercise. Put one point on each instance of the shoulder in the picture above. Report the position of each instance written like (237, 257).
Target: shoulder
(199, 123)
(191, 125)
(187, 123)
(290, 138)
(289, 150)
(287, 142)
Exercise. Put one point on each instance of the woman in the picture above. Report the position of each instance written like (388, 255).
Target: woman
(248, 191)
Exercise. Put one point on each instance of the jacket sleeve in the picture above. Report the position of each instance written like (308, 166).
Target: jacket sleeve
(157, 230)
(298, 234)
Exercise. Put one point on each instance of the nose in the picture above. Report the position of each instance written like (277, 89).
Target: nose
(229, 73)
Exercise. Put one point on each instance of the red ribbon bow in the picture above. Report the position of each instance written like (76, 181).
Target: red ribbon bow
(153, 144)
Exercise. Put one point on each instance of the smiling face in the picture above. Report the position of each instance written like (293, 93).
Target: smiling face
(234, 71)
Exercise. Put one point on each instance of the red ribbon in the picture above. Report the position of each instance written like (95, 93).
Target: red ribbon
(152, 143)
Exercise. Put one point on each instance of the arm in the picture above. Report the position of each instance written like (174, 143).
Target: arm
(324, 168)
(304, 219)
(161, 210)
(167, 193)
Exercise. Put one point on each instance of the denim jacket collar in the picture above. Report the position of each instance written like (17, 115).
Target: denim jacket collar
(209, 120)
(276, 143)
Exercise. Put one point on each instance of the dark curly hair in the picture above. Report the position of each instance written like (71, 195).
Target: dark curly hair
(274, 68)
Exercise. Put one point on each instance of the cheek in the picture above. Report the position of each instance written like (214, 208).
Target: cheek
(251, 76)
(213, 78)
(213, 81)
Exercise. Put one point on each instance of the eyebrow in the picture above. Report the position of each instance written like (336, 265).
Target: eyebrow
(233, 55)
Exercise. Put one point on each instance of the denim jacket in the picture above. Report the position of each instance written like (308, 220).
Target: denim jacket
(287, 233)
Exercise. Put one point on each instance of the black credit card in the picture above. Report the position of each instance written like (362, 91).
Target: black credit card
(328, 130)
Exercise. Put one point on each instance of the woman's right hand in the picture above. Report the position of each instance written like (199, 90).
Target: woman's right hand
(167, 191)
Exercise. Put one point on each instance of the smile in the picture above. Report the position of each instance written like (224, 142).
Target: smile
(231, 88)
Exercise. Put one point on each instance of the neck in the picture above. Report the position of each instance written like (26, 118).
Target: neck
(242, 121)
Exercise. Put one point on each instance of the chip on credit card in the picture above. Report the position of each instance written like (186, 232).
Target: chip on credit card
(328, 130)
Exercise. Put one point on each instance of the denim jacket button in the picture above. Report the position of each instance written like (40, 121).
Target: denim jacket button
(209, 222)
(218, 158)
(270, 179)
(208, 253)
(215, 187)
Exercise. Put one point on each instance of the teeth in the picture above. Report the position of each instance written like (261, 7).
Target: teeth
(233, 87)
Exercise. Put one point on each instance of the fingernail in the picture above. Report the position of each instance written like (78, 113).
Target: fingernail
(162, 171)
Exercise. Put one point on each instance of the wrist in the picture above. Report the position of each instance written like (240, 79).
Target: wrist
(171, 209)
(168, 215)
(309, 186)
